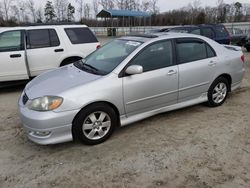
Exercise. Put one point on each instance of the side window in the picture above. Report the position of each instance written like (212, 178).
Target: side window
(196, 31)
(155, 56)
(210, 51)
(54, 38)
(221, 31)
(190, 50)
(80, 35)
(42, 38)
(208, 32)
(11, 41)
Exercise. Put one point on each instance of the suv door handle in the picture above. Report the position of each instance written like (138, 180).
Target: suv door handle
(59, 50)
(172, 72)
(212, 63)
(15, 55)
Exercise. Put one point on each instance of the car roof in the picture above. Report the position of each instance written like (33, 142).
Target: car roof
(158, 36)
(40, 27)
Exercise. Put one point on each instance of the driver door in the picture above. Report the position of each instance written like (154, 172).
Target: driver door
(157, 86)
(13, 66)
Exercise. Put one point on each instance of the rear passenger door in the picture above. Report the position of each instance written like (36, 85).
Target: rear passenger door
(44, 50)
(81, 40)
(197, 67)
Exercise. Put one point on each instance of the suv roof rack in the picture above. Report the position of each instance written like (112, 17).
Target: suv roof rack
(143, 35)
(52, 23)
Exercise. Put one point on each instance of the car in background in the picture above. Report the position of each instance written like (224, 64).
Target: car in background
(157, 30)
(247, 43)
(216, 32)
(127, 80)
(238, 37)
(29, 51)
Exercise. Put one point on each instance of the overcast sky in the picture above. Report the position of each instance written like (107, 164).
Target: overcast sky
(165, 5)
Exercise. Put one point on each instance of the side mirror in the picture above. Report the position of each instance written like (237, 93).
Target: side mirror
(134, 69)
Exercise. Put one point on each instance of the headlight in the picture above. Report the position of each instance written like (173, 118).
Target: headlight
(45, 103)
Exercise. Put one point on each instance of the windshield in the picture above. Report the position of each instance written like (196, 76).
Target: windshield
(178, 30)
(105, 59)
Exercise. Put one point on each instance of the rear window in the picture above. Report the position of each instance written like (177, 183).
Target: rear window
(80, 35)
(189, 50)
(221, 31)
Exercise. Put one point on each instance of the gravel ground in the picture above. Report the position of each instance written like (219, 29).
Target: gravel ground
(193, 147)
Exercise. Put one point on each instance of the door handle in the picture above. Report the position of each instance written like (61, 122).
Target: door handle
(211, 63)
(59, 50)
(15, 55)
(172, 72)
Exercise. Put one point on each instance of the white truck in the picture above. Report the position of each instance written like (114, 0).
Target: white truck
(26, 52)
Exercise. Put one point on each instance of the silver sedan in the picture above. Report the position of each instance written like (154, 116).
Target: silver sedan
(127, 80)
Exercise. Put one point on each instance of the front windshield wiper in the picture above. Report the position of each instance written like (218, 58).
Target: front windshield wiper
(89, 68)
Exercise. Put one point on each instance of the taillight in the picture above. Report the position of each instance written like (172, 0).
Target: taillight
(98, 46)
(242, 58)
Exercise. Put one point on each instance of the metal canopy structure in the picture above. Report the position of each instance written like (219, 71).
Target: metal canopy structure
(121, 13)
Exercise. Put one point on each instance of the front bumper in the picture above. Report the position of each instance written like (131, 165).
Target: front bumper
(47, 127)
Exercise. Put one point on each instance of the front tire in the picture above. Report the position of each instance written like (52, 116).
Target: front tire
(218, 92)
(94, 124)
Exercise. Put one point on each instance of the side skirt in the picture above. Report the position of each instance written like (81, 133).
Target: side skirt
(128, 120)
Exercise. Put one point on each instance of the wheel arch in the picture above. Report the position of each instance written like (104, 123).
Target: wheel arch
(228, 77)
(69, 60)
(100, 102)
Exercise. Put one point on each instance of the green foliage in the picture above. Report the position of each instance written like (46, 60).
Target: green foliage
(49, 12)
(70, 12)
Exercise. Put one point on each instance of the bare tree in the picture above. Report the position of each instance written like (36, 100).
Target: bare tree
(120, 4)
(107, 4)
(87, 10)
(61, 9)
(6, 8)
(145, 5)
(39, 15)
(31, 7)
(80, 9)
(154, 7)
(16, 13)
(96, 7)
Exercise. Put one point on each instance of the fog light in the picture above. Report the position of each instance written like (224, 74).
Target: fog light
(41, 133)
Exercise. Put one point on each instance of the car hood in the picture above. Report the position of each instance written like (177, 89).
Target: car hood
(57, 81)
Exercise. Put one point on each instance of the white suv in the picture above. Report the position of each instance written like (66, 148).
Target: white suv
(29, 51)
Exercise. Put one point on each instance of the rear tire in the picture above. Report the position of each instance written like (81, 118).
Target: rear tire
(248, 49)
(218, 92)
(95, 124)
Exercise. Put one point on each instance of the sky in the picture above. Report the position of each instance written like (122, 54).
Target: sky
(164, 5)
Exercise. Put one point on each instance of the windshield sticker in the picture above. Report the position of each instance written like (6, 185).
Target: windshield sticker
(133, 43)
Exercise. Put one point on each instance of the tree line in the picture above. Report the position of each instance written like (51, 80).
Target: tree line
(194, 13)
(19, 12)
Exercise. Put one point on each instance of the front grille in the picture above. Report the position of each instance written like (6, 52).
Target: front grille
(25, 98)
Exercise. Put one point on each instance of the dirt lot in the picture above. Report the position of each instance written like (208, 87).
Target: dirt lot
(193, 147)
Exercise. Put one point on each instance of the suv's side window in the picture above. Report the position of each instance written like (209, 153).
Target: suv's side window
(189, 50)
(155, 56)
(80, 35)
(11, 41)
(208, 32)
(196, 31)
(42, 38)
(221, 31)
